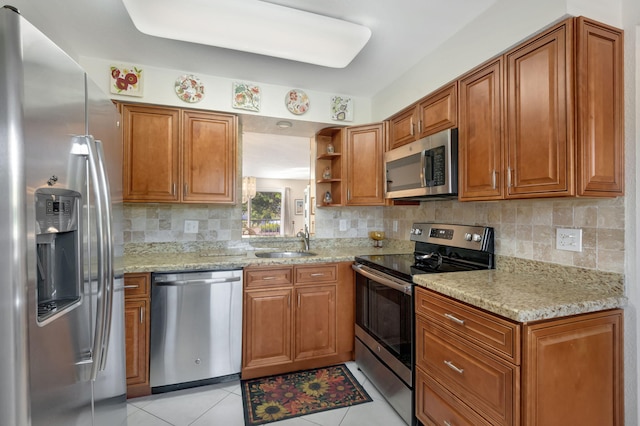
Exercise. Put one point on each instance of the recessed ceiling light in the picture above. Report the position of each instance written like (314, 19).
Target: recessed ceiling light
(252, 26)
(284, 124)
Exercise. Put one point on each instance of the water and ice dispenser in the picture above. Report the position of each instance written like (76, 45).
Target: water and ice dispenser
(59, 252)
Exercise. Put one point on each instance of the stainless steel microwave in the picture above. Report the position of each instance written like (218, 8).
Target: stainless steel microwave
(424, 169)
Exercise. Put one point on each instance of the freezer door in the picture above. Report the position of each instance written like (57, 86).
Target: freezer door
(110, 384)
(54, 111)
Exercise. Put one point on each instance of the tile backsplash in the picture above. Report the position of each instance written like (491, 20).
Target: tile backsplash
(527, 228)
(524, 228)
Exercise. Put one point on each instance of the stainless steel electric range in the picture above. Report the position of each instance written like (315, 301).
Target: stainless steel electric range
(384, 301)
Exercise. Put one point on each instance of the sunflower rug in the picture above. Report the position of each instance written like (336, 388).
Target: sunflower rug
(269, 399)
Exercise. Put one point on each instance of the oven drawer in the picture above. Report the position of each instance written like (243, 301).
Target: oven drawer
(268, 277)
(314, 274)
(482, 381)
(493, 333)
(436, 406)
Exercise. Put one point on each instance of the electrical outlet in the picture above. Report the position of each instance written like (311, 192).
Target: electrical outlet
(190, 226)
(343, 224)
(569, 239)
(395, 226)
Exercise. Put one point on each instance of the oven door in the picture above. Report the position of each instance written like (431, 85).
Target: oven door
(384, 310)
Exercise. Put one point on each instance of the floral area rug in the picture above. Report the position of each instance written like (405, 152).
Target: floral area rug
(274, 398)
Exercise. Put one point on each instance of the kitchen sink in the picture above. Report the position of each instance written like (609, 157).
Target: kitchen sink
(280, 254)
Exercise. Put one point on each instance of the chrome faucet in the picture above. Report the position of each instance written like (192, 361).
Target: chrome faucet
(305, 236)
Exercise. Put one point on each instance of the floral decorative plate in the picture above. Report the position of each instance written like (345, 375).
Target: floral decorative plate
(297, 102)
(189, 88)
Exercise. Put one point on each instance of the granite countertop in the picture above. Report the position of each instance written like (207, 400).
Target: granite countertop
(526, 297)
(192, 261)
(519, 289)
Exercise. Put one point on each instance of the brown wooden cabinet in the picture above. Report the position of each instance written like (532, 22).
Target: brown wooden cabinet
(435, 112)
(475, 368)
(296, 317)
(539, 103)
(480, 153)
(365, 165)
(545, 118)
(355, 165)
(176, 155)
(137, 306)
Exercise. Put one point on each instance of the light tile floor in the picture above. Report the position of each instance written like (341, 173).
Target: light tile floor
(221, 405)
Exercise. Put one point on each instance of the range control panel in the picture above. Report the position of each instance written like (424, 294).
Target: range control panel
(464, 236)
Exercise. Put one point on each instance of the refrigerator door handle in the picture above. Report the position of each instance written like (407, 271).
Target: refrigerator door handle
(108, 244)
(104, 249)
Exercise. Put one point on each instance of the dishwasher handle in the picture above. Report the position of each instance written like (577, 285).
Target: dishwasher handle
(196, 282)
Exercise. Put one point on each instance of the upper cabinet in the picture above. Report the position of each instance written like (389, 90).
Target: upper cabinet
(349, 165)
(365, 165)
(435, 112)
(175, 155)
(545, 119)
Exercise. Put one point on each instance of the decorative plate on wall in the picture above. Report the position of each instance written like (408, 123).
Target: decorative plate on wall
(189, 88)
(297, 102)
(246, 96)
(341, 108)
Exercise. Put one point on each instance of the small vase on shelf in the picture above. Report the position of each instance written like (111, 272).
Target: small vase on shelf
(330, 149)
(327, 173)
(327, 198)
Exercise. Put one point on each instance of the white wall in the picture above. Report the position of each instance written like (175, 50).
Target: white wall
(159, 89)
(501, 26)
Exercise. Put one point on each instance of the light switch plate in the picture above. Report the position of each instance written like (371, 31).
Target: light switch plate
(190, 226)
(569, 239)
(395, 226)
(343, 224)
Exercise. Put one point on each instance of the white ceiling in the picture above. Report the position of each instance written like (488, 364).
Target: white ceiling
(403, 32)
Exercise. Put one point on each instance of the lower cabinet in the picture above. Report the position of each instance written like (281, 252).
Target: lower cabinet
(137, 303)
(297, 317)
(476, 368)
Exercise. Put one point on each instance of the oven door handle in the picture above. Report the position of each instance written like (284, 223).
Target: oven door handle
(381, 279)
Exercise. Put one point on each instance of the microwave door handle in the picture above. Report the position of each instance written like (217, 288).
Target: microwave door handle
(423, 166)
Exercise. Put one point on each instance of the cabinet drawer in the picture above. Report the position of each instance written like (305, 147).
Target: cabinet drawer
(482, 381)
(434, 405)
(488, 331)
(314, 274)
(136, 285)
(268, 277)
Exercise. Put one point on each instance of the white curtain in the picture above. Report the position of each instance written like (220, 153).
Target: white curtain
(287, 213)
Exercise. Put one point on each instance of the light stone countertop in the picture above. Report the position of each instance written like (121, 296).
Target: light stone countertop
(526, 297)
(519, 289)
(170, 262)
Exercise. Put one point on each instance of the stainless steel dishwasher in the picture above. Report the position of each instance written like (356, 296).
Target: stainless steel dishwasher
(196, 328)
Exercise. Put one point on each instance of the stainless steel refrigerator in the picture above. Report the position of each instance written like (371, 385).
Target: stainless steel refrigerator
(61, 284)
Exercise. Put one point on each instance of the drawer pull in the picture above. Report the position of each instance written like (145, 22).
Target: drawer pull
(318, 274)
(268, 278)
(131, 286)
(454, 319)
(453, 367)
(446, 423)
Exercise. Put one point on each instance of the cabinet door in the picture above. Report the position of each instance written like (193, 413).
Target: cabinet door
(402, 128)
(136, 319)
(539, 119)
(315, 325)
(209, 157)
(573, 371)
(266, 328)
(438, 111)
(365, 168)
(600, 109)
(151, 152)
(481, 174)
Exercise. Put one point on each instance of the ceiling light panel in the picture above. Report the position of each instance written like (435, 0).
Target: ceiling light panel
(252, 26)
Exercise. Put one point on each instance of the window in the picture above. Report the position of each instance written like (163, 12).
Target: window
(262, 215)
